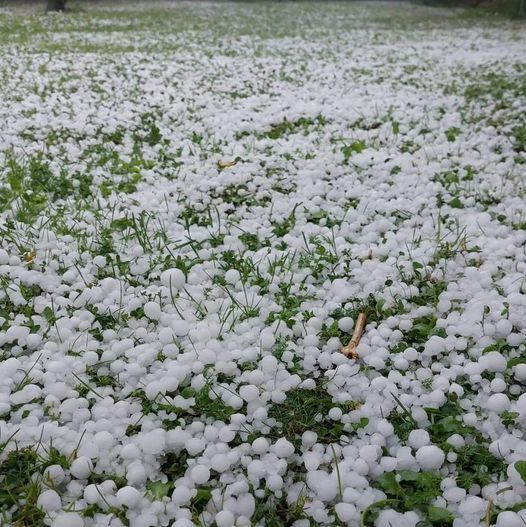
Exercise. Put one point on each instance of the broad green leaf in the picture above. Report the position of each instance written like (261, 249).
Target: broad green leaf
(438, 514)
(158, 490)
(520, 467)
(389, 484)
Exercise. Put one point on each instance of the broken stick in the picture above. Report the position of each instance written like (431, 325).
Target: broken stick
(350, 349)
(224, 163)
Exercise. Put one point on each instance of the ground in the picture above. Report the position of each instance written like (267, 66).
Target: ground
(196, 202)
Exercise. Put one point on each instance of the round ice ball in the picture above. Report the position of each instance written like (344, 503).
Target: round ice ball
(173, 279)
(430, 457)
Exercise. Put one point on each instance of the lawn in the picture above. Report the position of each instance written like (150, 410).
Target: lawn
(197, 201)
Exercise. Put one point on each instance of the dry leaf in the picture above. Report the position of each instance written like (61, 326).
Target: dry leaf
(30, 256)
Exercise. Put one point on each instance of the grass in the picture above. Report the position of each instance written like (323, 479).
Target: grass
(19, 491)
(306, 410)
(22, 479)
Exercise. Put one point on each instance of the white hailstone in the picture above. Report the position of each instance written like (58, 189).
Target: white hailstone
(474, 368)
(454, 494)
(108, 486)
(68, 519)
(430, 457)
(81, 467)
(275, 482)
(456, 441)
(473, 505)
(498, 385)
(90, 358)
(180, 327)
(443, 306)
(346, 324)
(309, 438)
(470, 418)
(88, 449)
(129, 497)
(308, 384)
(227, 434)
(136, 474)
(514, 339)
(520, 372)
(200, 474)
(503, 328)
(74, 489)
(509, 519)
(260, 413)
(152, 310)
(173, 279)
(18, 333)
(104, 440)
(4, 257)
(220, 463)
(283, 448)
(246, 504)
(153, 442)
(232, 276)
(243, 521)
(99, 261)
(388, 463)
(180, 522)
(278, 396)
(498, 403)
(405, 325)
(256, 469)
(311, 460)
(166, 336)
(267, 339)
(447, 483)
(194, 446)
(370, 453)
(327, 489)
(410, 354)
(345, 511)
(335, 413)
(54, 474)
(152, 390)
(33, 341)
(249, 392)
(418, 438)
(385, 428)
(26, 394)
(182, 495)
(224, 519)
(130, 451)
(520, 404)
(400, 363)
(269, 364)
(92, 494)
(493, 361)
(260, 446)
(49, 500)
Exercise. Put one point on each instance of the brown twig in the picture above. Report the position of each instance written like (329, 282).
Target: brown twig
(224, 163)
(350, 349)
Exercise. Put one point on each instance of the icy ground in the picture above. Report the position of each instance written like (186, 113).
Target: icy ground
(196, 202)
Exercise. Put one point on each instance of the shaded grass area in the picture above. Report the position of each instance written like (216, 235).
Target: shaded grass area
(27, 23)
(505, 8)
